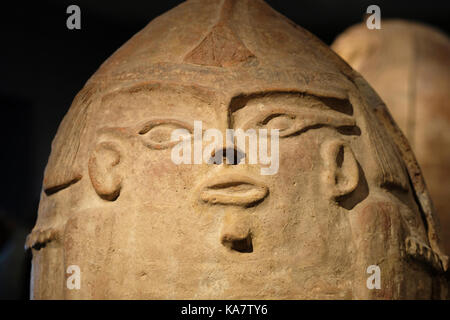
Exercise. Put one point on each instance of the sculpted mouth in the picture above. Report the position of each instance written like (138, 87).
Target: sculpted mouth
(233, 190)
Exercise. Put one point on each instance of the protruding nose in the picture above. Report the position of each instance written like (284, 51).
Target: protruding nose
(231, 156)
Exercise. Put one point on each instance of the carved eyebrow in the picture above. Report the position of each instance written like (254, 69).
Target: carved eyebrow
(200, 93)
(337, 104)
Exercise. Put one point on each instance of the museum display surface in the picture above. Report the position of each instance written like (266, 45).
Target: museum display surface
(347, 194)
(408, 65)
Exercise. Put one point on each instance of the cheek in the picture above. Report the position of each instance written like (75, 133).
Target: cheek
(155, 177)
(299, 160)
(301, 163)
(296, 184)
(295, 155)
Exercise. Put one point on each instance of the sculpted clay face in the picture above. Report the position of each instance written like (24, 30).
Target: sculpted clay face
(140, 225)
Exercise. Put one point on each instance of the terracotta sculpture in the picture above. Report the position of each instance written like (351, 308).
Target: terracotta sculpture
(407, 63)
(347, 195)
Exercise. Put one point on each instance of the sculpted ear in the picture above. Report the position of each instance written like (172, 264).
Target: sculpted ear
(341, 174)
(104, 170)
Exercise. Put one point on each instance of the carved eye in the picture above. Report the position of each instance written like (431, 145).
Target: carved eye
(292, 124)
(284, 123)
(278, 121)
(158, 134)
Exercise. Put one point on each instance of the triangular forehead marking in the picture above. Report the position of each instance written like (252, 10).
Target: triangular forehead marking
(221, 47)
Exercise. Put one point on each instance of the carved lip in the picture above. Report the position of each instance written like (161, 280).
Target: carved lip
(236, 190)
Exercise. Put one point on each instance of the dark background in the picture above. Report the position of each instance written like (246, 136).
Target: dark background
(43, 66)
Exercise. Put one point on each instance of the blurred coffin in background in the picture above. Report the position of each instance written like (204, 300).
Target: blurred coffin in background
(408, 64)
(14, 262)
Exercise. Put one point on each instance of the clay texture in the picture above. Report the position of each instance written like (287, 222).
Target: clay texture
(348, 193)
(408, 64)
